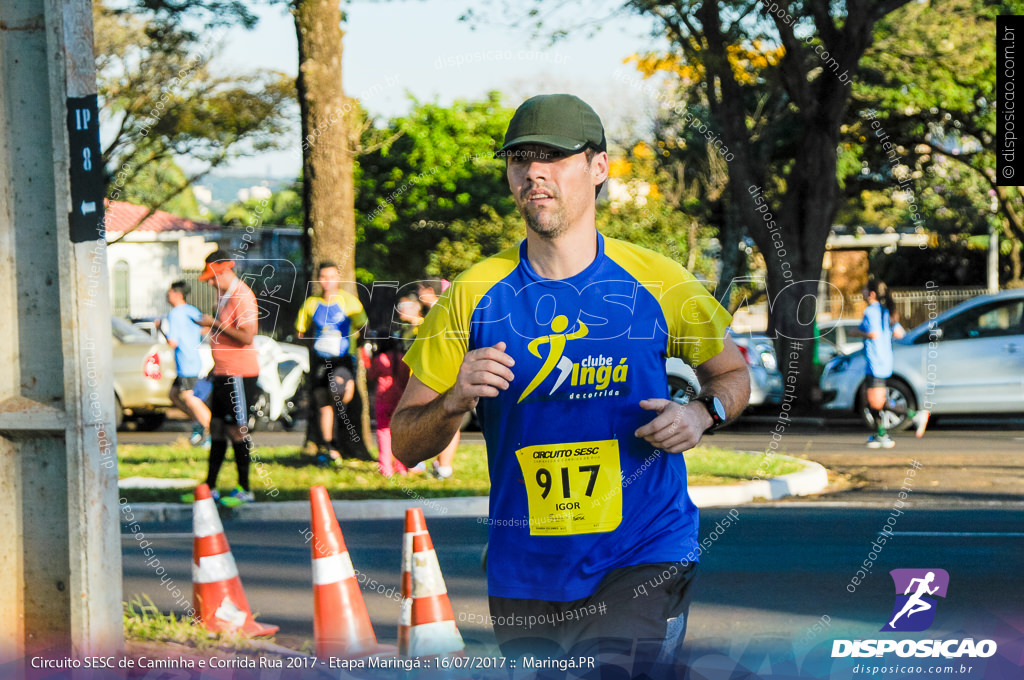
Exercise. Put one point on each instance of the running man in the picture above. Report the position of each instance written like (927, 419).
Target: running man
(236, 370)
(915, 604)
(333, 321)
(565, 531)
(184, 334)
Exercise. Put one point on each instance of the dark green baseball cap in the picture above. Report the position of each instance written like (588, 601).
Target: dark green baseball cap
(562, 121)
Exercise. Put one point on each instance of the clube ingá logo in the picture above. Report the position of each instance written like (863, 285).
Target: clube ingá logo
(916, 590)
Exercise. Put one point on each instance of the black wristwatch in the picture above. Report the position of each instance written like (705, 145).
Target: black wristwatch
(715, 409)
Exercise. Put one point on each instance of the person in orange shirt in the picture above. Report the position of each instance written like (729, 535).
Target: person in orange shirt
(235, 372)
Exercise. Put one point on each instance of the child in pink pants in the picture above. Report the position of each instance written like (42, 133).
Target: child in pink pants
(391, 375)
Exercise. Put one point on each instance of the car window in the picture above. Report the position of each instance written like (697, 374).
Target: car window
(986, 321)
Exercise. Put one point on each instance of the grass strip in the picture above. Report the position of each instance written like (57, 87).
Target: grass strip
(291, 473)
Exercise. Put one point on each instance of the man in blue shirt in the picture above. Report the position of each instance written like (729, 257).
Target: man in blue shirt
(184, 334)
(559, 343)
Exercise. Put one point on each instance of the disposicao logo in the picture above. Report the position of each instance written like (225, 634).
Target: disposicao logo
(914, 611)
(916, 590)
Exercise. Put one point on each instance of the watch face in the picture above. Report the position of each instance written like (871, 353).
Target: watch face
(715, 408)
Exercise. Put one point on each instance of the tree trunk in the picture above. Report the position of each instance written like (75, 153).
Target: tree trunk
(328, 196)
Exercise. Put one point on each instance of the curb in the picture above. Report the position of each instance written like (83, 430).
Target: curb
(812, 479)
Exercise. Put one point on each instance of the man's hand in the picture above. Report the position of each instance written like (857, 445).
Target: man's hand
(206, 321)
(676, 428)
(483, 373)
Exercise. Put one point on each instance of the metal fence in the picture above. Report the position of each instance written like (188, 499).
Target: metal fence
(914, 305)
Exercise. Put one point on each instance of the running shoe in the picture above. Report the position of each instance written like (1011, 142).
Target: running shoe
(238, 497)
(198, 435)
(883, 442)
(920, 421)
(438, 473)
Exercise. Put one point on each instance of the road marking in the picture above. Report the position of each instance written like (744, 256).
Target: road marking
(959, 534)
(169, 535)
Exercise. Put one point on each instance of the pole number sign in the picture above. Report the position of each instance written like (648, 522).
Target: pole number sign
(86, 219)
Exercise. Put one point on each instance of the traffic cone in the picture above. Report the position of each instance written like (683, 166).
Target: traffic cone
(217, 594)
(414, 524)
(426, 610)
(341, 624)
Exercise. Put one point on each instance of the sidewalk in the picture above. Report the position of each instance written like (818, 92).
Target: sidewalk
(812, 479)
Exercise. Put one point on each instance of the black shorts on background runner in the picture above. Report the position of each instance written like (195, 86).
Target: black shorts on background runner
(231, 398)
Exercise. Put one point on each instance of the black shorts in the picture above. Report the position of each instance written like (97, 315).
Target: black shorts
(231, 398)
(876, 382)
(184, 384)
(640, 614)
(337, 370)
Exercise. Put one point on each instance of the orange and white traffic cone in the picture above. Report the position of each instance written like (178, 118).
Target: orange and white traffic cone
(414, 524)
(341, 624)
(431, 622)
(217, 594)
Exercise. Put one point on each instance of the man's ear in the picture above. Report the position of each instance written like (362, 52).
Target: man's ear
(599, 168)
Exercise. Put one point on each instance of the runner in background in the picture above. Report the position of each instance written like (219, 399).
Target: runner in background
(184, 334)
(332, 321)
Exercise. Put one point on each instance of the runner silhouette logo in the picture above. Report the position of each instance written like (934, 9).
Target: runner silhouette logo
(916, 590)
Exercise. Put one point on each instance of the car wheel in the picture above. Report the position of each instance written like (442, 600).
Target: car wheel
(899, 399)
(680, 391)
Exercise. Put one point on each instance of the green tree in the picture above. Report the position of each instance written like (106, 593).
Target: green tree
(161, 102)
(928, 86)
(437, 168)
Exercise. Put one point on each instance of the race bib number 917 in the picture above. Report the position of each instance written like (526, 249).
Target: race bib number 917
(573, 488)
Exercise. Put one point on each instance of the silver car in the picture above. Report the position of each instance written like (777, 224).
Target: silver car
(759, 354)
(969, 359)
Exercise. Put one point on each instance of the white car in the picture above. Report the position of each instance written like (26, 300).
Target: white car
(836, 331)
(969, 359)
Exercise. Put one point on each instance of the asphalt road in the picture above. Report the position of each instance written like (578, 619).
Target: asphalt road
(764, 582)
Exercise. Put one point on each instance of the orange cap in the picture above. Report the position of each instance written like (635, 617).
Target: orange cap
(215, 269)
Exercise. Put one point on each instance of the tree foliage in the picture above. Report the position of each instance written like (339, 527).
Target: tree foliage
(438, 168)
(160, 102)
(930, 81)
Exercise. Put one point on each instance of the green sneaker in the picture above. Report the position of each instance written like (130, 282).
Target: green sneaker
(238, 497)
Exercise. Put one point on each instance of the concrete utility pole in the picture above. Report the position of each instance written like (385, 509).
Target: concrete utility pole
(60, 556)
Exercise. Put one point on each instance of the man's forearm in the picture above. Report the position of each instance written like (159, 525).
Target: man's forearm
(422, 432)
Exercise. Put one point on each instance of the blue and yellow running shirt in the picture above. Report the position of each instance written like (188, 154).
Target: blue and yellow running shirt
(574, 494)
(334, 324)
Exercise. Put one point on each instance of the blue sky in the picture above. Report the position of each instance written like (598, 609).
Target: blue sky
(419, 47)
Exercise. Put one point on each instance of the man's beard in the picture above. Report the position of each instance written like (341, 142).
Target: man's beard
(550, 228)
(553, 225)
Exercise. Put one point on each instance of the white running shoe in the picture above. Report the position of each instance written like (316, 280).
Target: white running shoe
(883, 442)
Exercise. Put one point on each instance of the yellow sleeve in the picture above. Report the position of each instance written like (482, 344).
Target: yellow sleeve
(442, 340)
(305, 317)
(354, 311)
(696, 322)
